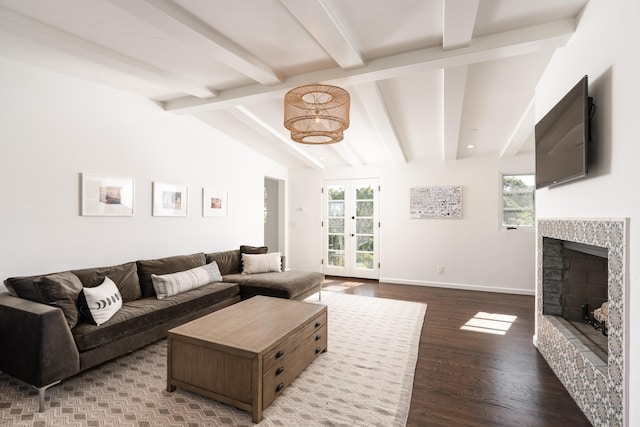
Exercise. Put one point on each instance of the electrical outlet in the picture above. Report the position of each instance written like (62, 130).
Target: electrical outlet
(441, 269)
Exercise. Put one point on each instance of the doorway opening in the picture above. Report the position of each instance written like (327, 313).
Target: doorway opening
(274, 214)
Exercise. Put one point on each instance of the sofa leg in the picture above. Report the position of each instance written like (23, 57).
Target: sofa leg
(320, 294)
(41, 391)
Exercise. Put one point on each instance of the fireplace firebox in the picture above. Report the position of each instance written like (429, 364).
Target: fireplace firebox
(575, 288)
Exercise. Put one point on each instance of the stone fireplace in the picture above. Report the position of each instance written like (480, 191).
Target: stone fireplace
(591, 367)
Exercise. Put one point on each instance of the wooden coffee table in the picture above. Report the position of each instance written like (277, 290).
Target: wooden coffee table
(246, 354)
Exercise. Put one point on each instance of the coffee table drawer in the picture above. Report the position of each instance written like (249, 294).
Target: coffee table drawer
(276, 355)
(292, 364)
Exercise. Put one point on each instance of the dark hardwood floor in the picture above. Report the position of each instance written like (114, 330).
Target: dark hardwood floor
(471, 378)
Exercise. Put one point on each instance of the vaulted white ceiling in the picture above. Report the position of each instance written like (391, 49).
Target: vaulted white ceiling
(427, 78)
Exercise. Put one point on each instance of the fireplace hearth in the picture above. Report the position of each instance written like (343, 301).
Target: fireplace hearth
(581, 265)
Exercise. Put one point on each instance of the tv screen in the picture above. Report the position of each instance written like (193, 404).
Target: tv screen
(562, 138)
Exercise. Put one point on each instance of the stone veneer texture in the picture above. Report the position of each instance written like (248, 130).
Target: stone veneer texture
(596, 386)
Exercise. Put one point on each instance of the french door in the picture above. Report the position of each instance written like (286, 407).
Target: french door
(351, 228)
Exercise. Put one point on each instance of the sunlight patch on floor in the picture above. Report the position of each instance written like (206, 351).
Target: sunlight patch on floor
(342, 286)
(490, 323)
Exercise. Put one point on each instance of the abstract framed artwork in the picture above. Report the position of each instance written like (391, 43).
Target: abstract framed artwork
(106, 196)
(214, 202)
(443, 201)
(169, 199)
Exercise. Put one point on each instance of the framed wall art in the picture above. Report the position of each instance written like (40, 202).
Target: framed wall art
(214, 202)
(106, 196)
(169, 199)
(436, 202)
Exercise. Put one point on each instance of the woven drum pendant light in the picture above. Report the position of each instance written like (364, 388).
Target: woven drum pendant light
(317, 114)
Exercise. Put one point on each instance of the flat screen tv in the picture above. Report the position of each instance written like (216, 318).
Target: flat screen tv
(562, 138)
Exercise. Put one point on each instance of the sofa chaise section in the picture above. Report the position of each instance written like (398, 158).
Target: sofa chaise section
(290, 284)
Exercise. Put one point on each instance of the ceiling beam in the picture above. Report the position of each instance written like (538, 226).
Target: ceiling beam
(459, 19)
(497, 46)
(170, 18)
(321, 21)
(454, 83)
(39, 32)
(522, 133)
(375, 108)
(295, 149)
(259, 125)
(347, 154)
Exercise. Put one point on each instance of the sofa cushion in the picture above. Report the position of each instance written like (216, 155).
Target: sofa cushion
(246, 249)
(288, 284)
(125, 277)
(143, 314)
(165, 266)
(166, 285)
(100, 303)
(61, 290)
(24, 287)
(228, 261)
(261, 263)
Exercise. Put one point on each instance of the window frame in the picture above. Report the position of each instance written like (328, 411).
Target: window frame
(503, 226)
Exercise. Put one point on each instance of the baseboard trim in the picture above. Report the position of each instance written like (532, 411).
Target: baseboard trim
(462, 286)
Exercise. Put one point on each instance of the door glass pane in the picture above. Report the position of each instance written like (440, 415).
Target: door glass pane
(364, 225)
(336, 242)
(336, 209)
(364, 192)
(364, 260)
(365, 243)
(364, 208)
(336, 258)
(336, 192)
(336, 225)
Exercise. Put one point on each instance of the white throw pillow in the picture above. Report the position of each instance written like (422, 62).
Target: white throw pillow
(261, 263)
(167, 285)
(100, 303)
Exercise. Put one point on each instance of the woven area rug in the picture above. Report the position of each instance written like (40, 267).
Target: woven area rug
(365, 379)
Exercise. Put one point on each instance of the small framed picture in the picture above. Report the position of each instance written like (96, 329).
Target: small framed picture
(169, 199)
(214, 202)
(106, 196)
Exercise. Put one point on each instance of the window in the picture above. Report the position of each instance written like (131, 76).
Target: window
(517, 201)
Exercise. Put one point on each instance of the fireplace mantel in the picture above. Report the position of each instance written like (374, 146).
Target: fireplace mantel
(598, 387)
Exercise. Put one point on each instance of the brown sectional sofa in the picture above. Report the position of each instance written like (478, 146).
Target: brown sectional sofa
(40, 348)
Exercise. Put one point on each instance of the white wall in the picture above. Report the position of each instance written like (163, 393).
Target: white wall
(605, 47)
(52, 128)
(475, 251)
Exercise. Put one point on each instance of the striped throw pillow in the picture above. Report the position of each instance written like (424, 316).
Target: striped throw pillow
(167, 285)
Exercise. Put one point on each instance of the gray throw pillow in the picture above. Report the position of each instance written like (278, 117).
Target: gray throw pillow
(61, 290)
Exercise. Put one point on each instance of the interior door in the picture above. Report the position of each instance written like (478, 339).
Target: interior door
(351, 228)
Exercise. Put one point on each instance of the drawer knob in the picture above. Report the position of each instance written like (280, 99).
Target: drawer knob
(279, 354)
(279, 387)
(318, 337)
(318, 324)
(318, 350)
(279, 370)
